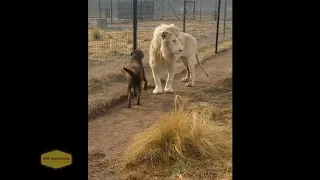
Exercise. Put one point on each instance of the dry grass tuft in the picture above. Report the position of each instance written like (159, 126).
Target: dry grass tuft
(96, 34)
(219, 114)
(182, 135)
(109, 36)
(227, 44)
(189, 142)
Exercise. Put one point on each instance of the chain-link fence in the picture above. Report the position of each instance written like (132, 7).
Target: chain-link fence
(111, 40)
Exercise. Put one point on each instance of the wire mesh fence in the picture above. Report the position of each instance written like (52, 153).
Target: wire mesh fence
(225, 21)
(110, 36)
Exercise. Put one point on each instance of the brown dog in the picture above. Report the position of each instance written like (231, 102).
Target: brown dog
(137, 75)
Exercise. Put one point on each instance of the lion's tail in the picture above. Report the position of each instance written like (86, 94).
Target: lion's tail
(201, 65)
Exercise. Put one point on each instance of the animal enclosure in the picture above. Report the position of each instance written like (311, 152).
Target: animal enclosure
(110, 41)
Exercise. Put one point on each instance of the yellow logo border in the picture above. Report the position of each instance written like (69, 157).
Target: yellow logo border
(59, 167)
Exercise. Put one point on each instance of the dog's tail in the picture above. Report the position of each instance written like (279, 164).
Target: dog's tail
(130, 72)
(201, 65)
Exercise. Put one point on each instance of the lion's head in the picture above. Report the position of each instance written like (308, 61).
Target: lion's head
(170, 45)
(167, 37)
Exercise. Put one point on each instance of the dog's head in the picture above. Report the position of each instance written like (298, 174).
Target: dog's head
(137, 54)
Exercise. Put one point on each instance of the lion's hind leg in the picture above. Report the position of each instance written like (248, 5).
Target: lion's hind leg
(185, 63)
(192, 65)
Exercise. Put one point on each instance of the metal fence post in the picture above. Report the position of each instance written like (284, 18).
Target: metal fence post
(184, 15)
(217, 32)
(200, 9)
(194, 10)
(224, 19)
(99, 10)
(111, 13)
(134, 23)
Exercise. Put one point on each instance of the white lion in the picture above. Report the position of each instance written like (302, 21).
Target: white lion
(167, 45)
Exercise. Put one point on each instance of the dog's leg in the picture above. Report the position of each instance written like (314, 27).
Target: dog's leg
(132, 92)
(144, 78)
(145, 87)
(129, 95)
(135, 91)
(156, 77)
(171, 73)
(185, 63)
(192, 66)
(139, 93)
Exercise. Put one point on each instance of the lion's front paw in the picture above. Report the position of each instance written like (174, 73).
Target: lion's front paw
(189, 84)
(157, 91)
(185, 79)
(168, 90)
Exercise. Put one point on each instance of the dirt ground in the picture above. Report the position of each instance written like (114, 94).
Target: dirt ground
(109, 135)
